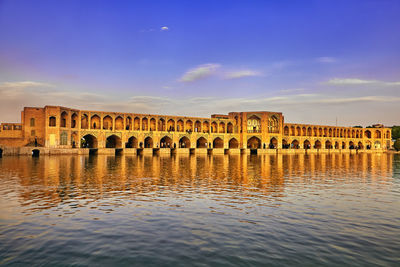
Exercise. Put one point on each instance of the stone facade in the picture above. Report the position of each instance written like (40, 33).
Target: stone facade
(56, 127)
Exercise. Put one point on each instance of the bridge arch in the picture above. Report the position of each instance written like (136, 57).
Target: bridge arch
(132, 142)
(89, 141)
(184, 142)
(148, 142)
(201, 143)
(166, 142)
(218, 143)
(233, 143)
(113, 141)
(254, 142)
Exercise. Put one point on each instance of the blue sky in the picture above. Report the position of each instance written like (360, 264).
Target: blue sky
(315, 61)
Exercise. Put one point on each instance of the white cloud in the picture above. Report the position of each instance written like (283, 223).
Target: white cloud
(199, 72)
(24, 84)
(326, 59)
(241, 74)
(355, 81)
(164, 28)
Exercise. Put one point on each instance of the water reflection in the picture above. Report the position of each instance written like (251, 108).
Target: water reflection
(51, 180)
(335, 209)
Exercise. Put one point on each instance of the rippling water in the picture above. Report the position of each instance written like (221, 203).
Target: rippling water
(201, 210)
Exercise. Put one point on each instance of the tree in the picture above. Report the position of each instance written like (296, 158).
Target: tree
(395, 132)
(397, 145)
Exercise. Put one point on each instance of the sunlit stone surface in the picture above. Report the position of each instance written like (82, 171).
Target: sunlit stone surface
(331, 209)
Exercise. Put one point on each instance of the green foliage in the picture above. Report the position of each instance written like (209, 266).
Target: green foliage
(397, 145)
(395, 132)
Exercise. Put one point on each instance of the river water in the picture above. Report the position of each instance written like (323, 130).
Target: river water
(238, 210)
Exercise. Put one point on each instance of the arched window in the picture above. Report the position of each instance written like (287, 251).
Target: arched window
(52, 121)
(273, 124)
(32, 122)
(254, 124)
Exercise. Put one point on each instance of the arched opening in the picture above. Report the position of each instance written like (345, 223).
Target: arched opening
(113, 141)
(214, 127)
(328, 144)
(89, 141)
(128, 123)
(153, 124)
(184, 142)
(388, 135)
(254, 125)
(132, 142)
(189, 126)
(286, 130)
(74, 140)
(317, 144)
(52, 121)
(295, 144)
(292, 131)
(273, 124)
(285, 144)
(229, 127)
(145, 126)
(273, 143)
(95, 122)
(136, 124)
(166, 142)
(315, 131)
(63, 122)
(351, 145)
(74, 120)
(35, 153)
(179, 126)
(221, 127)
(378, 134)
(298, 131)
(336, 145)
(148, 142)
(368, 145)
(233, 143)
(161, 125)
(321, 133)
(107, 123)
(309, 131)
(377, 144)
(1, 152)
(307, 144)
(84, 121)
(197, 127)
(343, 145)
(330, 132)
(201, 143)
(360, 145)
(206, 127)
(171, 125)
(218, 143)
(119, 123)
(304, 130)
(254, 143)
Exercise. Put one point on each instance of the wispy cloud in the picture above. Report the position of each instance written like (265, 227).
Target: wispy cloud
(326, 59)
(200, 72)
(24, 84)
(355, 81)
(241, 74)
(164, 28)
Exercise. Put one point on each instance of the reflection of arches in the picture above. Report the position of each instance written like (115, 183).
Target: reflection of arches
(201, 143)
(63, 122)
(166, 141)
(307, 144)
(218, 143)
(89, 141)
(295, 144)
(132, 142)
(52, 121)
(317, 144)
(254, 142)
(184, 142)
(233, 143)
(148, 142)
(113, 141)
(273, 143)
